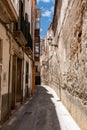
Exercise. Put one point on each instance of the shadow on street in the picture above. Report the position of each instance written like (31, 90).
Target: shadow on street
(37, 114)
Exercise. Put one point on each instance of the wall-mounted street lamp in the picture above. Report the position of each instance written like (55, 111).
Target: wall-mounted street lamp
(50, 42)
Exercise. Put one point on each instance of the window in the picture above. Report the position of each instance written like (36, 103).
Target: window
(37, 25)
(36, 44)
(36, 68)
(36, 49)
(37, 38)
(0, 51)
(26, 16)
(36, 57)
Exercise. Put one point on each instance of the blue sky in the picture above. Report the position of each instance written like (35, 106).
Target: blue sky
(47, 8)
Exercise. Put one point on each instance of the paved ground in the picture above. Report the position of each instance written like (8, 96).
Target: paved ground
(44, 112)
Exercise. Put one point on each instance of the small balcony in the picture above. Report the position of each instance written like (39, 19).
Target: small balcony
(29, 42)
(19, 32)
(37, 24)
(37, 32)
(20, 37)
(22, 28)
(22, 33)
(9, 11)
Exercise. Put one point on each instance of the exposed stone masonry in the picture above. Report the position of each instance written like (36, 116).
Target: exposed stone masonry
(68, 63)
(72, 52)
(73, 33)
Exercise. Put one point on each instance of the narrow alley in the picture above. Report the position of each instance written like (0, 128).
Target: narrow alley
(45, 111)
(43, 64)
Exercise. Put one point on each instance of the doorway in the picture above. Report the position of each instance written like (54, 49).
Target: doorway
(19, 81)
(14, 67)
(16, 81)
(27, 81)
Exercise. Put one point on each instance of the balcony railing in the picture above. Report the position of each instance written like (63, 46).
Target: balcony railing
(8, 11)
(37, 24)
(37, 32)
(22, 33)
(22, 28)
(19, 32)
(38, 13)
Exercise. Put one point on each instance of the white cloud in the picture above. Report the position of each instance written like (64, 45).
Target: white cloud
(52, 9)
(47, 13)
(45, 1)
(41, 29)
(38, 1)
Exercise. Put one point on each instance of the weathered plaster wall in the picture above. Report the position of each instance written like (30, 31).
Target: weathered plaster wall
(72, 55)
(72, 51)
(5, 73)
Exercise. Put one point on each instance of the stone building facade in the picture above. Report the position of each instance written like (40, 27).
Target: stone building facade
(37, 47)
(67, 64)
(33, 22)
(16, 54)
